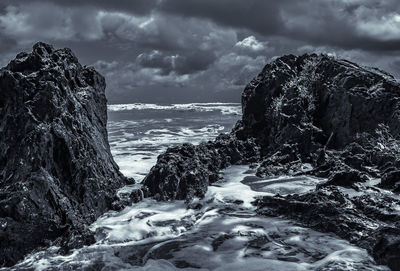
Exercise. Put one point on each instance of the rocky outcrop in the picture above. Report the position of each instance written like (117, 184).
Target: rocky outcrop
(338, 118)
(297, 110)
(315, 101)
(56, 170)
(185, 171)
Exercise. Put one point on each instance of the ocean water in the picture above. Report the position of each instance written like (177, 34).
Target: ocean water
(223, 232)
(138, 133)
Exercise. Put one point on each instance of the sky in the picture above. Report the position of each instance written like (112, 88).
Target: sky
(199, 50)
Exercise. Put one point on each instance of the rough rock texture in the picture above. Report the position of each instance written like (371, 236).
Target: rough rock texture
(297, 110)
(186, 171)
(56, 170)
(340, 119)
(310, 100)
(369, 220)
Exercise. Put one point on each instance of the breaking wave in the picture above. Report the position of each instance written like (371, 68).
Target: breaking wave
(224, 108)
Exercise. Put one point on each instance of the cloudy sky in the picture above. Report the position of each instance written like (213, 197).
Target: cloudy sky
(199, 50)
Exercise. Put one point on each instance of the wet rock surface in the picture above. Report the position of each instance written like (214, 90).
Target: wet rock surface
(57, 174)
(310, 115)
(185, 172)
(369, 220)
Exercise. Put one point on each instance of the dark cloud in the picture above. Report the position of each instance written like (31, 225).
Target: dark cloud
(194, 61)
(141, 7)
(156, 59)
(344, 24)
(347, 24)
(262, 16)
(181, 64)
(198, 48)
(6, 43)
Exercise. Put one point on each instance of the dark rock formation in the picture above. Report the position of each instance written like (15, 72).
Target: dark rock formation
(307, 109)
(56, 170)
(312, 101)
(391, 180)
(186, 171)
(127, 198)
(345, 179)
(334, 115)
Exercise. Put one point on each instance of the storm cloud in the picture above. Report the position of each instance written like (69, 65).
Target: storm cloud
(200, 50)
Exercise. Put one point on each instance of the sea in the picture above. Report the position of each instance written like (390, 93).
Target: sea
(222, 233)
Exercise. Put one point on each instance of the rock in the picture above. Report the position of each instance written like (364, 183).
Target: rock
(57, 174)
(391, 180)
(183, 172)
(386, 250)
(317, 101)
(186, 171)
(345, 179)
(284, 161)
(126, 199)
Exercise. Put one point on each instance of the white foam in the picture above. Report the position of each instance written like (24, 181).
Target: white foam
(232, 188)
(224, 234)
(225, 108)
(136, 153)
(129, 224)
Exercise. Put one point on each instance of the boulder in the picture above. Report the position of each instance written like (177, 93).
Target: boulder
(184, 172)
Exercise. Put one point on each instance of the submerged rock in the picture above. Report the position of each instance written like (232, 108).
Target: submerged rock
(57, 174)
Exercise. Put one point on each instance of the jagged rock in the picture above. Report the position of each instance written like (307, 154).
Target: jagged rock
(124, 199)
(316, 100)
(345, 179)
(391, 180)
(56, 170)
(285, 161)
(371, 153)
(186, 171)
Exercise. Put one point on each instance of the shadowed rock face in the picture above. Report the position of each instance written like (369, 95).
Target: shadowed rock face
(308, 99)
(339, 117)
(56, 170)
